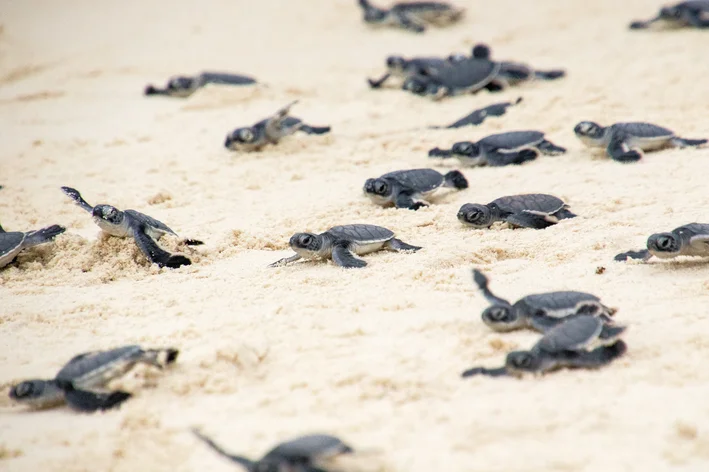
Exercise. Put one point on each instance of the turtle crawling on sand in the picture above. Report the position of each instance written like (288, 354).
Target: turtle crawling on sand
(692, 13)
(80, 381)
(476, 117)
(540, 312)
(625, 142)
(408, 188)
(183, 86)
(302, 454)
(13, 242)
(687, 240)
(531, 210)
(453, 78)
(144, 229)
(342, 243)
(412, 16)
(270, 131)
(582, 341)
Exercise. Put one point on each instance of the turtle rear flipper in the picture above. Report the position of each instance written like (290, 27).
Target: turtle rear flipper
(526, 219)
(598, 357)
(314, 129)
(42, 235)
(193, 242)
(247, 463)
(343, 257)
(224, 78)
(643, 254)
(78, 199)
(156, 254)
(88, 402)
(550, 149)
(399, 245)
(455, 179)
(408, 22)
(682, 142)
(610, 333)
(152, 90)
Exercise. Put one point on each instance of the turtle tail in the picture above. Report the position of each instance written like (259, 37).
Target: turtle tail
(455, 179)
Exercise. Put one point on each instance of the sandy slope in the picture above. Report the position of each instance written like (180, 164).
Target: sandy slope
(373, 355)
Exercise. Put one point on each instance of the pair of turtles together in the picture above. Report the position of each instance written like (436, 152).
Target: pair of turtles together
(411, 16)
(532, 210)
(82, 380)
(577, 328)
(692, 13)
(687, 240)
(270, 131)
(182, 86)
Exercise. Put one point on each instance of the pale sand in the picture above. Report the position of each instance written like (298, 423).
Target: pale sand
(374, 355)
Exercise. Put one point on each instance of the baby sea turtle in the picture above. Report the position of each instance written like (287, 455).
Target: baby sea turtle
(453, 78)
(400, 67)
(341, 243)
(512, 147)
(80, 381)
(183, 86)
(533, 210)
(13, 242)
(624, 142)
(302, 454)
(408, 188)
(478, 116)
(582, 341)
(412, 16)
(540, 312)
(270, 131)
(687, 240)
(144, 229)
(693, 13)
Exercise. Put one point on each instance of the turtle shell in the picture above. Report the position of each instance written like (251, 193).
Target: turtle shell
(572, 335)
(643, 130)
(471, 74)
(420, 180)
(306, 449)
(149, 221)
(537, 202)
(512, 139)
(100, 365)
(556, 304)
(9, 242)
(361, 233)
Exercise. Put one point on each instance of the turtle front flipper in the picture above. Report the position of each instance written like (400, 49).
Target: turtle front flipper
(42, 236)
(398, 245)
(404, 199)
(343, 257)
(598, 357)
(498, 158)
(314, 129)
(552, 74)
(89, 402)
(526, 219)
(639, 24)
(498, 372)
(619, 150)
(683, 142)
(550, 149)
(222, 78)
(247, 463)
(193, 242)
(377, 83)
(285, 261)
(155, 254)
(76, 196)
(482, 282)
(441, 153)
(478, 116)
(642, 254)
(407, 22)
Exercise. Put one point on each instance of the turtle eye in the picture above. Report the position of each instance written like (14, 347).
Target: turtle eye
(498, 313)
(522, 361)
(664, 242)
(245, 134)
(380, 188)
(306, 240)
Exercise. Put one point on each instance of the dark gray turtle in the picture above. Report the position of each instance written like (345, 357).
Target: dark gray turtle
(302, 454)
(693, 13)
(512, 147)
(478, 116)
(144, 229)
(540, 312)
(408, 188)
(400, 67)
(532, 210)
(270, 131)
(13, 242)
(80, 381)
(342, 243)
(412, 16)
(625, 142)
(582, 341)
(687, 240)
(183, 86)
(453, 78)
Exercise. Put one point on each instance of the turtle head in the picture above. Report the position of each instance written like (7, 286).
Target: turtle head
(377, 187)
(670, 13)
(475, 215)
(37, 393)
(664, 244)
(521, 362)
(396, 63)
(108, 214)
(239, 136)
(27, 390)
(306, 244)
(372, 14)
(502, 318)
(180, 83)
(481, 51)
(588, 129)
(465, 148)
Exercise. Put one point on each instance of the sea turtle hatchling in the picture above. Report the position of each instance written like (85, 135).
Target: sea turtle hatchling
(540, 312)
(270, 131)
(183, 86)
(81, 381)
(581, 341)
(476, 117)
(509, 148)
(453, 78)
(13, 242)
(401, 67)
(408, 188)
(302, 454)
(625, 142)
(412, 16)
(531, 210)
(693, 13)
(144, 229)
(342, 243)
(687, 240)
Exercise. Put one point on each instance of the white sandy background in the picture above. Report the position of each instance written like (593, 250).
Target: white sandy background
(374, 355)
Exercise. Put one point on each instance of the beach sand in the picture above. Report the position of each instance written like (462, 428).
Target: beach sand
(375, 355)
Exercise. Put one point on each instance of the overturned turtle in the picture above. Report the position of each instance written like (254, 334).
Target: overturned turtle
(402, 68)
(302, 454)
(476, 117)
(409, 188)
(453, 78)
(502, 149)
(183, 86)
(81, 381)
(530, 210)
(581, 341)
(144, 229)
(342, 243)
(625, 142)
(412, 16)
(270, 131)
(13, 242)
(692, 14)
(687, 240)
(540, 312)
